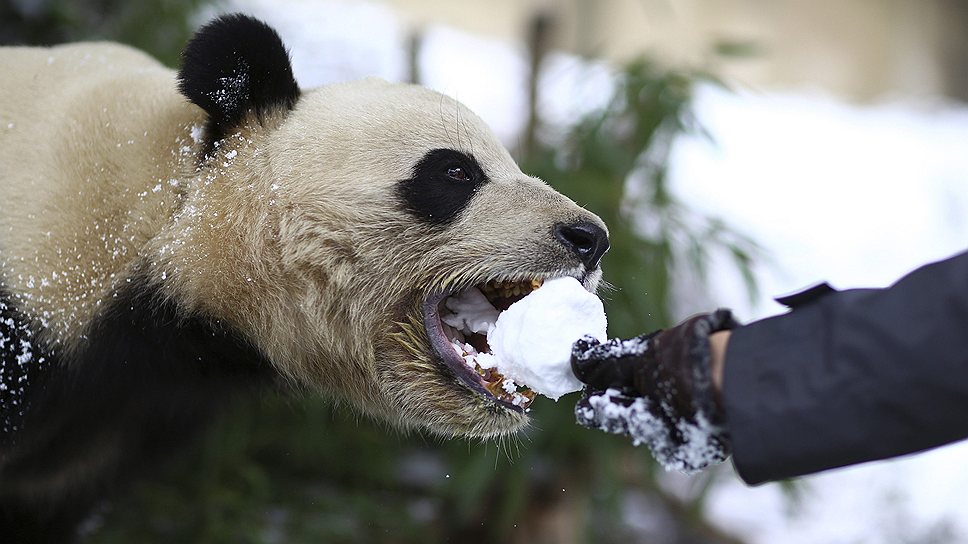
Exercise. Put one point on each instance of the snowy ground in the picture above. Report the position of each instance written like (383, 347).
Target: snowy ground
(856, 195)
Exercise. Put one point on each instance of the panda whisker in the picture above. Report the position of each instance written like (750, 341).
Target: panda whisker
(460, 125)
(457, 108)
(444, 125)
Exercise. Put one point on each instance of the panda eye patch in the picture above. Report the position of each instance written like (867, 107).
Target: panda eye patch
(441, 186)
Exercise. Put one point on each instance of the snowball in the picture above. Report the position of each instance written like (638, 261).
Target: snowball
(532, 339)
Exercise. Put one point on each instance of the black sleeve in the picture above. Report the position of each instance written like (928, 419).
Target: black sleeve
(851, 376)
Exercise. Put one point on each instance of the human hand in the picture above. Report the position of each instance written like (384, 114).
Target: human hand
(659, 390)
(717, 358)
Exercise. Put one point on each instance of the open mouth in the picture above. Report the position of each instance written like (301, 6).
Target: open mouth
(457, 323)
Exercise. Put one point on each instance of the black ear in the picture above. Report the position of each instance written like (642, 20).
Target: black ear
(235, 65)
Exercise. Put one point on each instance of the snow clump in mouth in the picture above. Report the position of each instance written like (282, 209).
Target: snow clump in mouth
(526, 348)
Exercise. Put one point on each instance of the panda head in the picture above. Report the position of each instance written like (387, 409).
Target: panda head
(329, 225)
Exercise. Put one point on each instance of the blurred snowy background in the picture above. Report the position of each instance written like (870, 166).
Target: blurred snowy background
(834, 135)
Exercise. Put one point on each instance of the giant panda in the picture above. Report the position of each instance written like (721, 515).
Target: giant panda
(168, 240)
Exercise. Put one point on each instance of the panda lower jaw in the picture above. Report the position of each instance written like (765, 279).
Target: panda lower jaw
(489, 384)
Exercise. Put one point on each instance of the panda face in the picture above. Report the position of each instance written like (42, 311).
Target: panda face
(397, 197)
(331, 225)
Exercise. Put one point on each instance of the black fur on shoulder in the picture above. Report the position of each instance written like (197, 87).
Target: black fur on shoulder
(442, 185)
(235, 65)
(142, 386)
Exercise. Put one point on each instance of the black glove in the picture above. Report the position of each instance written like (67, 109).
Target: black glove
(657, 388)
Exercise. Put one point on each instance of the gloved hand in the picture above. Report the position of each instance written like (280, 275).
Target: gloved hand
(657, 388)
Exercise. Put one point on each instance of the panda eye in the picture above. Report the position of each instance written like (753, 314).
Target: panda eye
(441, 185)
(457, 173)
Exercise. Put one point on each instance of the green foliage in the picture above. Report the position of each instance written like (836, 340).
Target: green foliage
(160, 27)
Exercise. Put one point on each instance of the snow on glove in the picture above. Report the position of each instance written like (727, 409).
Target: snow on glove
(657, 388)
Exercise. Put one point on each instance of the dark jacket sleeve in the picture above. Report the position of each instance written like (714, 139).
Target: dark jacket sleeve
(851, 376)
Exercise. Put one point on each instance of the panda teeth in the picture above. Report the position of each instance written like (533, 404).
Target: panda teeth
(508, 289)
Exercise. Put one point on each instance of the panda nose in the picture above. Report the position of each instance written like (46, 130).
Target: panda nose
(588, 241)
